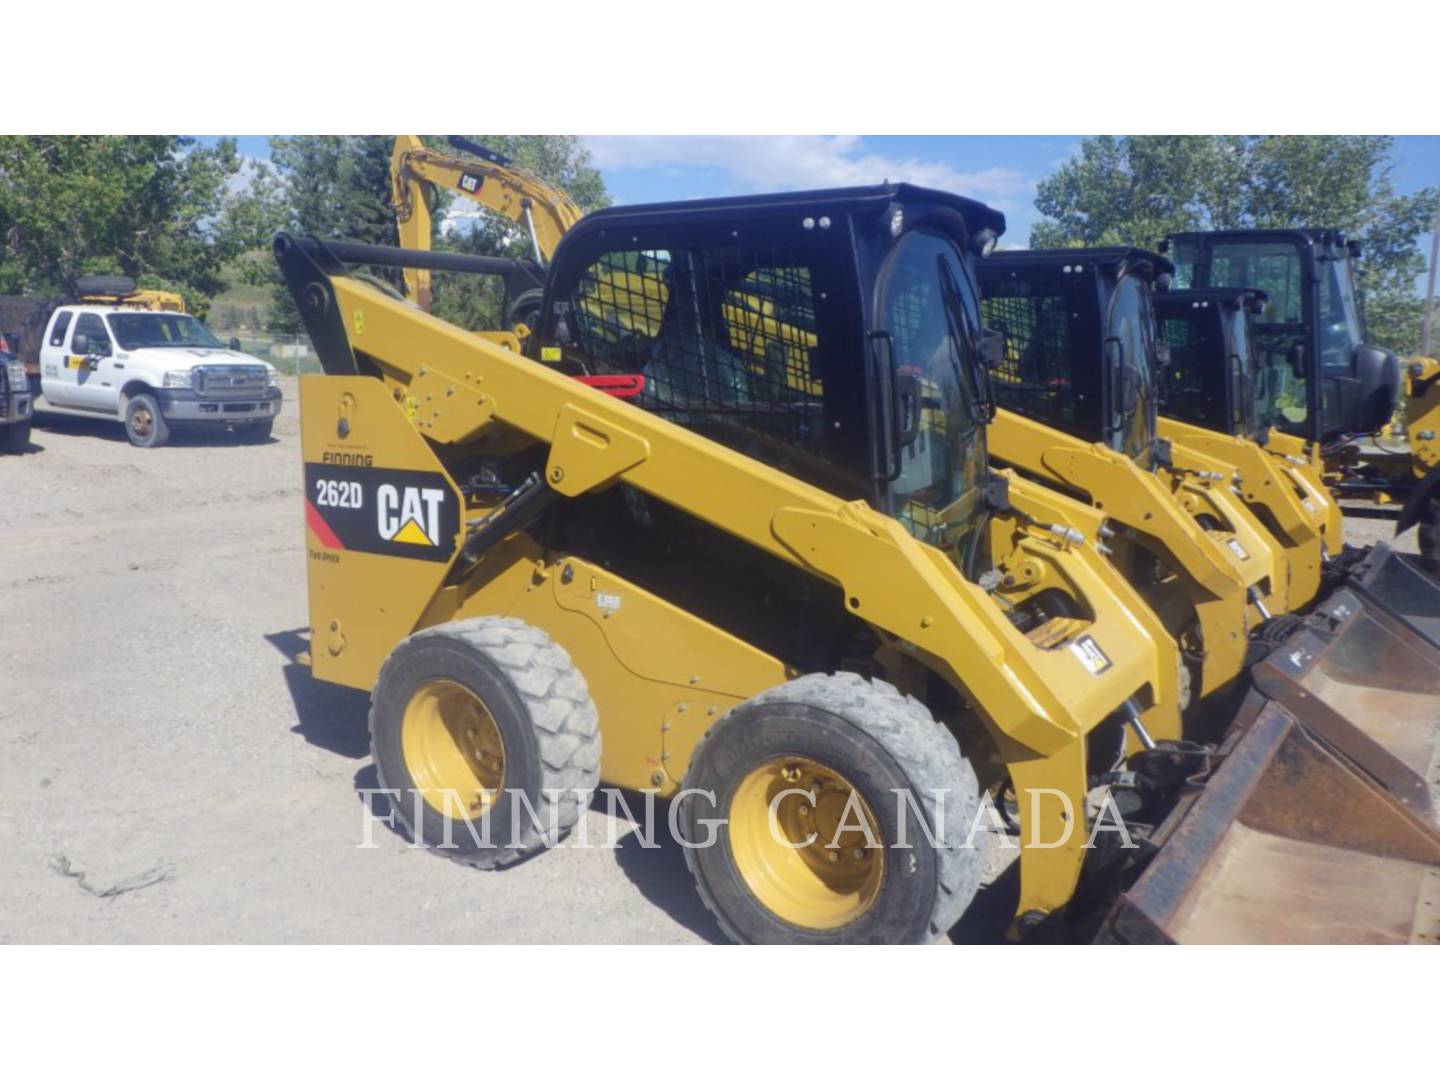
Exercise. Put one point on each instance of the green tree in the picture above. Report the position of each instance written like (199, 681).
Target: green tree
(159, 208)
(339, 186)
(1135, 189)
(329, 186)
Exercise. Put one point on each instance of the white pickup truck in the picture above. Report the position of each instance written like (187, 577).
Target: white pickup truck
(154, 370)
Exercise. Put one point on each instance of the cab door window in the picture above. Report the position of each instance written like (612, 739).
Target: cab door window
(59, 329)
(1129, 349)
(97, 338)
(923, 308)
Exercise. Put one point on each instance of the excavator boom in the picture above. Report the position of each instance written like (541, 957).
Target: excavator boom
(488, 179)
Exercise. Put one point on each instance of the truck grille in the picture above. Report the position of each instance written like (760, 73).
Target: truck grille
(230, 380)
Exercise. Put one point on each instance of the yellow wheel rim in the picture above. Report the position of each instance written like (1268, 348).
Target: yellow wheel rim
(453, 750)
(806, 843)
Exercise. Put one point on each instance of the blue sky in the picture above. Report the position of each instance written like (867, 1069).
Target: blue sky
(1000, 170)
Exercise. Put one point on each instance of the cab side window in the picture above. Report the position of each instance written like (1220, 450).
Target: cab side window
(59, 329)
(93, 328)
(730, 339)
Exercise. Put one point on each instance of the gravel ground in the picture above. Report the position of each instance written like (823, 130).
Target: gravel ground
(154, 727)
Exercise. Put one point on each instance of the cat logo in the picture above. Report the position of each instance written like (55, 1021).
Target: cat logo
(409, 515)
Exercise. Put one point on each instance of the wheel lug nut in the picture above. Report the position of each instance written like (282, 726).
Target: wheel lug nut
(833, 855)
(857, 853)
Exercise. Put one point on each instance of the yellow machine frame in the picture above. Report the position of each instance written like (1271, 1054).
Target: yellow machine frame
(1163, 510)
(660, 676)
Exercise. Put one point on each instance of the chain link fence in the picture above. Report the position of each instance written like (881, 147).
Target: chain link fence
(291, 353)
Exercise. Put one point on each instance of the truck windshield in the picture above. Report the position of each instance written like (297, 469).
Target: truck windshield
(929, 307)
(160, 330)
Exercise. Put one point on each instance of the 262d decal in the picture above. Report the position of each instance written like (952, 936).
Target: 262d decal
(401, 512)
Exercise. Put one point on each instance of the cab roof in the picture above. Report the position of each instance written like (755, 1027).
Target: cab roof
(1109, 259)
(828, 201)
(1231, 297)
(1311, 237)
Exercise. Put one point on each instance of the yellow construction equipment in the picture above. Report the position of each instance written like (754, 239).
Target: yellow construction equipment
(1333, 395)
(1214, 401)
(1070, 328)
(1077, 394)
(806, 608)
(490, 179)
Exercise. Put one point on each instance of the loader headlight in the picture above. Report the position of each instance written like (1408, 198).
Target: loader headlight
(179, 380)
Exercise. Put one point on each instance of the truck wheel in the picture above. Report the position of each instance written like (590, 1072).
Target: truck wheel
(257, 432)
(1430, 535)
(144, 426)
(471, 720)
(824, 789)
(15, 438)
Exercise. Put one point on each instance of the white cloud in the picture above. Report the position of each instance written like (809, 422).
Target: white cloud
(239, 182)
(781, 163)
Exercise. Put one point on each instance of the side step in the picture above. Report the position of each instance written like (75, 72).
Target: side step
(1286, 843)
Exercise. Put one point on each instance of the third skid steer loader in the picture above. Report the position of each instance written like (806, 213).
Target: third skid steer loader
(1336, 391)
(1223, 398)
(1212, 401)
(1361, 675)
(801, 604)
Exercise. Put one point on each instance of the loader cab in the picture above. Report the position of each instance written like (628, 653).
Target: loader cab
(1214, 379)
(1080, 351)
(1311, 332)
(835, 335)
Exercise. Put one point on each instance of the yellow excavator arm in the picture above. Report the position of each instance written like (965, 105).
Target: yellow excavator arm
(483, 176)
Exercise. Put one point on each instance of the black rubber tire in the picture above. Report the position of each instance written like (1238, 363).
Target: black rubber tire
(880, 741)
(546, 718)
(105, 285)
(525, 308)
(15, 438)
(258, 431)
(158, 433)
(1429, 535)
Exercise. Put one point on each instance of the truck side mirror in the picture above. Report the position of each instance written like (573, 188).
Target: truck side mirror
(1296, 359)
(80, 345)
(1162, 355)
(233, 344)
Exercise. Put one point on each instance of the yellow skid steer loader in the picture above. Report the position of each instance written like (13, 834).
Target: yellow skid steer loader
(1214, 401)
(801, 605)
(1364, 675)
(1077, 393)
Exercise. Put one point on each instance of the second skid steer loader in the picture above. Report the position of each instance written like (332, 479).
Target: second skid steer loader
(802, 605)
(1077, 394)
